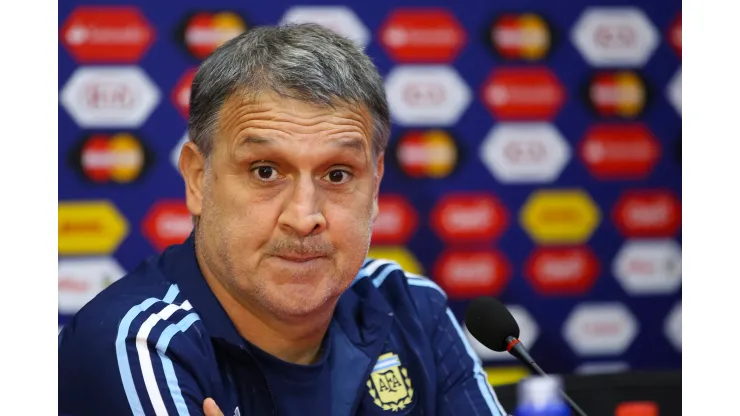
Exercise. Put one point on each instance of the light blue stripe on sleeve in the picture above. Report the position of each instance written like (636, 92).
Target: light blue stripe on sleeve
(122, 354)
(169, 370)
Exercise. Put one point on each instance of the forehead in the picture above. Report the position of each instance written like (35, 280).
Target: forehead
(270, 111)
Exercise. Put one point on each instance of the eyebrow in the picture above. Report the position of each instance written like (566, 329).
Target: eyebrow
(343, 142)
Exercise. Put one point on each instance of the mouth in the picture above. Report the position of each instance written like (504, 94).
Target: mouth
(299, 258)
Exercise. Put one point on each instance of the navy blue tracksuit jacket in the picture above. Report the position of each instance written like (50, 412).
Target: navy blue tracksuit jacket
(157, 342)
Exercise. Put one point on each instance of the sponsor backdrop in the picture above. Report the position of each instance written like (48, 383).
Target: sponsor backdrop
(535, 156)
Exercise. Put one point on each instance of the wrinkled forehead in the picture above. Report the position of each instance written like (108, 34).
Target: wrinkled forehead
(243, 110)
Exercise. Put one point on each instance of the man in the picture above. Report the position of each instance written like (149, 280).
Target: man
(271, 307)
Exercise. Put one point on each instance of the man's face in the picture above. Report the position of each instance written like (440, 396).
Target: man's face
(287, 202)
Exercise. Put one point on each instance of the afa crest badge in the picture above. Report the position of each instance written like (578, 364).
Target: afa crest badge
(389, 384)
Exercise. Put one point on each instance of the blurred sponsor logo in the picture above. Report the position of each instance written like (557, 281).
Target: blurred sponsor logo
(181, 92)
(523, 94)
(175, 152)
(620, 151)
(398, 254)
(603, 367)
(528, 334)
(673, 327)
(649, 267)
(430, 154)
(90, 227)
(460, 217)
(106, 34)
(118, 158)
(426, 95)
(673, 91)
(118, 97)
(203, 32)
(80, 280)
(340, 19)
(617, 94)
(396, 222)
(500, 376)
(168, 222)
(615, 36)
(422, 35)
(674, 35)
(600, 329)
(648, 213)
(560, 216)
(525, 36)
(470, 273)
(525, 152)
(562, 270)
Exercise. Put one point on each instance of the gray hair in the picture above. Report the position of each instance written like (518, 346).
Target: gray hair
(300, 61)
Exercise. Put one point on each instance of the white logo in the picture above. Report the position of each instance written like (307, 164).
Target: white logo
(426, 95)
(600, 329)
(340, 19)
(615, 36)
(673, 91)
(80, 280)
(672, 327)
(175, 153)
(120, 97)
(525, 152)
(603, 367)
(649, 267)
(528, 333)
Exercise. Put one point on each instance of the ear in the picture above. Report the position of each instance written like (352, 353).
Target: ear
(192, 168)
(379, 169)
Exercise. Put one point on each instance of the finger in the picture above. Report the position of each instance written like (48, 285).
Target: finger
(210, 408)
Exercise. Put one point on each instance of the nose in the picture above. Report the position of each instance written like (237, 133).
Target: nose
(302, 213)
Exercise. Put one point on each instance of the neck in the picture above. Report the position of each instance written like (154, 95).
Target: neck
(293, 339)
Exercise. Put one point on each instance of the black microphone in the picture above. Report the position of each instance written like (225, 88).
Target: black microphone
(492, 325)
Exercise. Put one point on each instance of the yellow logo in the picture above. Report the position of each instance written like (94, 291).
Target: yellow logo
(400, 255)
(389, 384)
(92, 227)
(560, 216)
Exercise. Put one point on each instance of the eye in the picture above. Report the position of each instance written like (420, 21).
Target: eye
(338, 176)
(265, 173)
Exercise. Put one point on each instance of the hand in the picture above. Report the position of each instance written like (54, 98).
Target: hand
(210, 408)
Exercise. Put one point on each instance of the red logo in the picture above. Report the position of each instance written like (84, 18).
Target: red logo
(624, 151)
(168, 222)
(521, 36)
(109, 96)
(430, 154)
(648, 213)
(422, 35)
(468, 274)
(396, 222)
(105, 158)
(469, 217)
(617, 36)
(523, 93)
(617, 93)
(562, 270)
(204, 32)
(181, 93)
(106, 34)
(674, 35)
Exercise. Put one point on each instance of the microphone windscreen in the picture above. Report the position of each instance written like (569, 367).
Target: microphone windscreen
(490, 323)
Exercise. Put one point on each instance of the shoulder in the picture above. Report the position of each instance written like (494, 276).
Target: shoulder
(141, 305)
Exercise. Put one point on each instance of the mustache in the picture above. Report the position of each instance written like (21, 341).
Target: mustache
(308, 247)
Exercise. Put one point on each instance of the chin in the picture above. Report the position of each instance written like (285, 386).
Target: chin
(294, 299)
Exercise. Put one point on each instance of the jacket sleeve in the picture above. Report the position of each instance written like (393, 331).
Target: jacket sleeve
(148, 363)
(462, 386)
